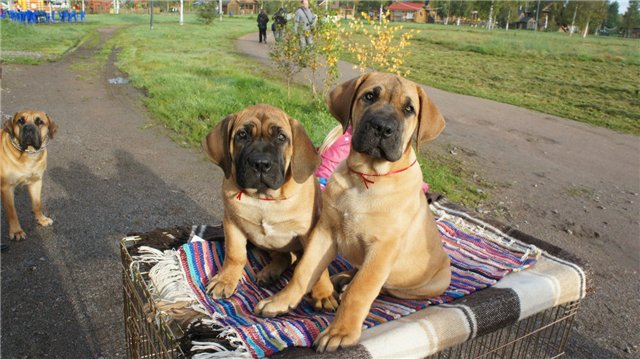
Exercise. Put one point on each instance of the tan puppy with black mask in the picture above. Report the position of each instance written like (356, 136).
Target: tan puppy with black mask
(271, 197)
(374, 211)
(23, 160)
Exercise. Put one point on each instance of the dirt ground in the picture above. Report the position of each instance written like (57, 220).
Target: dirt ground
(112, 172)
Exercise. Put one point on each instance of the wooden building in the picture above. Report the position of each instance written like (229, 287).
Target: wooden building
(241, 7)
(408, 12)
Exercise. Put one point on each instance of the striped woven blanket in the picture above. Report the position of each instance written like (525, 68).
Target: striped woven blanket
(481, 255)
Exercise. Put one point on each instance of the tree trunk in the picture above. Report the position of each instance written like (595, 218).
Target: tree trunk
(573, 22)
(586, 30)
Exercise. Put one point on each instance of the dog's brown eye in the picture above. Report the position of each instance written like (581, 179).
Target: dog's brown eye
(21, 121)
(409, 110)
(282, 137)
(38, 121)
(369, 96)
(241, 135)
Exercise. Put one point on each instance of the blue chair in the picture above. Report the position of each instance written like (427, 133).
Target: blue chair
(29, 17)
(73, 16)
(47, 17)
(63, 15)
(82, 15)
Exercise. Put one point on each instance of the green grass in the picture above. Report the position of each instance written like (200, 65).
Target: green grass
(52, 41)
(592, 80)
(451, 177)
(193, 78)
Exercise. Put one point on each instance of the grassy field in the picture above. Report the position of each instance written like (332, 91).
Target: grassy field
(34, 44)
(592, 80)
(193, 77)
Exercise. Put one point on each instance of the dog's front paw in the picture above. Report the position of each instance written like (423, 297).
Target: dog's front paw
(336, 336)
(222, 286)
(17, 235)
(273, 306)
(44, 221)
(323, 296)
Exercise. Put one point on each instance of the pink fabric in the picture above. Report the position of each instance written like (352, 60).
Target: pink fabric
(332, 156)
(336, 153)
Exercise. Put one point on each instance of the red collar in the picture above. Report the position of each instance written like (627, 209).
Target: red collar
(239, 197)
(366, 181)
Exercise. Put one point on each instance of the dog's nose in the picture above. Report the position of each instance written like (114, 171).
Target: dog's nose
(384, 127)
(29, 129)
(260, 162)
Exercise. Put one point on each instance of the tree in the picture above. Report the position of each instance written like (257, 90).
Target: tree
(286, 56)
(613, 16)
(384, 48)
(460, 9)
(507, 12)
(631, 18)
(208, 12)
(589, 13)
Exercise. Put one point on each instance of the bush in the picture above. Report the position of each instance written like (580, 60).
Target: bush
(208, 12)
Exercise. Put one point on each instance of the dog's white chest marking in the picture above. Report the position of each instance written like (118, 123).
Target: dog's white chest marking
(274, 237)
(267, 229)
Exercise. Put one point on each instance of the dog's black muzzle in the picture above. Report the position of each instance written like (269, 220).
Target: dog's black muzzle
(379, 134)
(260, 166)
(30, 136)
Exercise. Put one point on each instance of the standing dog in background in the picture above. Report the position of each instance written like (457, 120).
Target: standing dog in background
(270, 195)
(23, 160)
(374, 212)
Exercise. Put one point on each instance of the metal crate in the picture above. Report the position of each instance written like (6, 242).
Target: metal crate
(147, 335)
(543, 335)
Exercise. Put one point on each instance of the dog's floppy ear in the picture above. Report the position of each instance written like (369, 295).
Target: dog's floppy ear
(430, 120)
(53, 127)
(7, 125)
(217, 144)
(305, 159)
(340, 100)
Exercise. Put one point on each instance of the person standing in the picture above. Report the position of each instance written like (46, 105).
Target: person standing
(304, 21)
(263, 19)
(279, 23)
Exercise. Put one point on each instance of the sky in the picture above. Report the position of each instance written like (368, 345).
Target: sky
(624, 4)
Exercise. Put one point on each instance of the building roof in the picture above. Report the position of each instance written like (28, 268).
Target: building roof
(406, 6)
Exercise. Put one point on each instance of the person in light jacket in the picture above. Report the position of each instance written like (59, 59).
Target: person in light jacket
(303, 22)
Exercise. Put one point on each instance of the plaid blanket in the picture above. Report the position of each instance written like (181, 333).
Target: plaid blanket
(482, 254)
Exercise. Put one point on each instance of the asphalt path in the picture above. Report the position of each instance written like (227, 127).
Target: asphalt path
(113, 171)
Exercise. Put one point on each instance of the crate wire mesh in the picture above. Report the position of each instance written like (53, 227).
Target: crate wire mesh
(543, 335)
(147, 335)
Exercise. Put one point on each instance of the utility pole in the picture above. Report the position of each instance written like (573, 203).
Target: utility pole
(220, 9)
(181, 12)
(151, 20)
(490, 25)
(573, 22)
(537, 15)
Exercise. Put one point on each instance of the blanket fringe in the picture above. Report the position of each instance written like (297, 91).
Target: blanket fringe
(464, 222)
(207, 338)
(172, 296)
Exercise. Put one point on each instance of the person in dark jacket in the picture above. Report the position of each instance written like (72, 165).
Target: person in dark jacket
(279, 23)
(263, 19)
